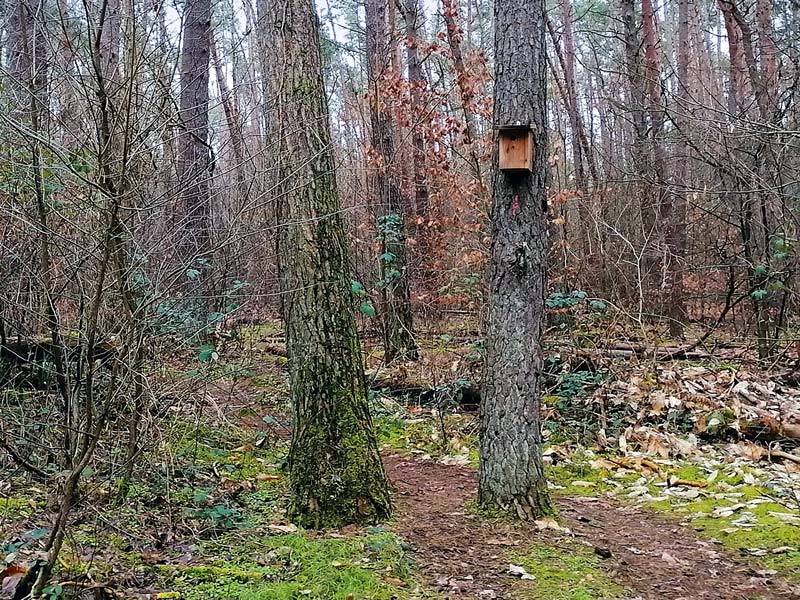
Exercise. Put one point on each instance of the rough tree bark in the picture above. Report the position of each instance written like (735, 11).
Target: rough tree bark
(398, 338)
(739, 89)
(667, 262)
(768, 53)
(634, 69)
(581, 152)
(675, 235)
(335, 472)
(413, 17)
(193, 149)
(511, 475)
(754, 84)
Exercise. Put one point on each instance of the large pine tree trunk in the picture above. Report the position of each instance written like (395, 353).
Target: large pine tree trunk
(511, 474)
(193, 149)
(335, 471)
(398, 335)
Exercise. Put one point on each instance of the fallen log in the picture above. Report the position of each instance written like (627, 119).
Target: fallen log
(658, 352)
(647, 353)
(25, 350)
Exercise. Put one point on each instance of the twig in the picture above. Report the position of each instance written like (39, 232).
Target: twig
(12, 452)
(785, 455)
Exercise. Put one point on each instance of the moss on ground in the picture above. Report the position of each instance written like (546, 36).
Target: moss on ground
(565, 573)
(255, 333)
(773, 542)
(227, 450)
(370, 566)
(747, 518)
(425, 436)
(577, 478)
(12, 509)
(213, 485)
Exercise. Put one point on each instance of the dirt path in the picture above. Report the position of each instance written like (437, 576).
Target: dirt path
(463, 557)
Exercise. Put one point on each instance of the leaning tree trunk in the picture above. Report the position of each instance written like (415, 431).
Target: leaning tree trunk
(398, 338)
(233, 121)
(511, 474)
(335, 471)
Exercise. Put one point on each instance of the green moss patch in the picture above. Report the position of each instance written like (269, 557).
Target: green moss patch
(298, 565)
(453, 437)
(12, 509)
(565, 573)
(577, 478)
(734, 504)
(748, 521)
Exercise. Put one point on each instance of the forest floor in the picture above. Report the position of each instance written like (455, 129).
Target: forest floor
(598, 549)
(661, 487)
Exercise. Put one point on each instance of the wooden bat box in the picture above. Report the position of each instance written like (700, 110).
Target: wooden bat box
(516, 149)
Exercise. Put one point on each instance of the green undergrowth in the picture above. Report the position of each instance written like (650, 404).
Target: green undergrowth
(14, 511)
(220, 493)
(229, 451)
(368, 566)
(16, 508)
(568, 571)
(452, 436)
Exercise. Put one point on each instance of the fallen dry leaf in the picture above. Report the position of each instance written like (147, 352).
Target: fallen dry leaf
(289, 528)
(550, 523)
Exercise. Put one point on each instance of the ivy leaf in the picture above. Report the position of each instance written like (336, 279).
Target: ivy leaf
(759, 294)
(357, 289)
(598, 305)
(367, 308)
(760, 271)
(387, 257)
(201, 495)
(207, 354)
(38, 533)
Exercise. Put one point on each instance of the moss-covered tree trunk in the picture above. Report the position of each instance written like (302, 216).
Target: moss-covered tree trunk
(511, 475)
(335, 471)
